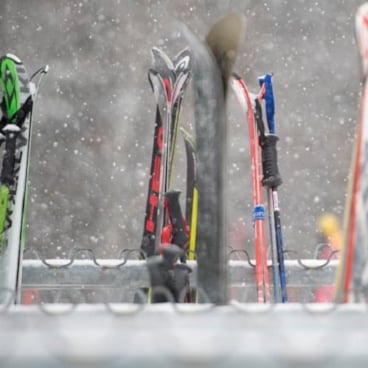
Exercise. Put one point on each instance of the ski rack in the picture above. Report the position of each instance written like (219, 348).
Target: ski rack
(87, 279)
(82, 314)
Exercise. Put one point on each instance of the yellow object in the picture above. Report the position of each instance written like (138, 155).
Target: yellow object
(193, 226)
(329, 226)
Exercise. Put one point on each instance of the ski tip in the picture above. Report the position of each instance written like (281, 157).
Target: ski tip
(182, 54)
(161, 59)
(186, 135)
(362, 10)
(182, 61)
(14, 58)
(236, 76)
(157, 51)
(361, 30)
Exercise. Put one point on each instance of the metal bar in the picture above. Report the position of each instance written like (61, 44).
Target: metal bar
(133, 273)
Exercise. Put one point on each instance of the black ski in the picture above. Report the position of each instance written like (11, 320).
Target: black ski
(191, 202)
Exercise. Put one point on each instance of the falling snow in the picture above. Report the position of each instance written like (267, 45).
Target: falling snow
(95, 115)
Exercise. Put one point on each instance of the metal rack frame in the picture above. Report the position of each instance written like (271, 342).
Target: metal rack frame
(114, 332)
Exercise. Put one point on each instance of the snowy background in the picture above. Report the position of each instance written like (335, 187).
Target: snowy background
(94, 121)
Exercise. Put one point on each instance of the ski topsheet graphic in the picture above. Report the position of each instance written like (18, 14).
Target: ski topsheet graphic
(352, 275)
(18, 94)
(212, 64)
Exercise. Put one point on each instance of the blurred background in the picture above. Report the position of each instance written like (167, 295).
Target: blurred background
(94, 120)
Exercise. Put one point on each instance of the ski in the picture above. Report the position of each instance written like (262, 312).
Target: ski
(352, 273)
(168, 80)
(260, 244)
(165, 231)
(212, 64)
(19, 93)
(161, 78)
(182, 70)
(191, 203)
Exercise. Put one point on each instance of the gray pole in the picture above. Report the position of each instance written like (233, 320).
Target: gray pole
(212, 64)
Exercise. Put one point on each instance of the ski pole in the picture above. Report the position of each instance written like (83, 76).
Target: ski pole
(272, 179)
(271, 222)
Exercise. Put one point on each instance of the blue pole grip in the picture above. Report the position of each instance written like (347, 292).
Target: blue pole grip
(270, 101)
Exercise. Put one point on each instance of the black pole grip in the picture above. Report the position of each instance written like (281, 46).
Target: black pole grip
(12, 130)
(271, 176)
(167, 277)
(7, 171)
